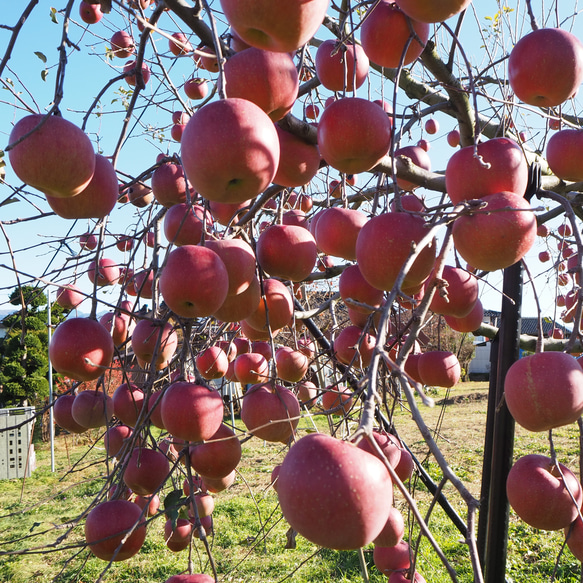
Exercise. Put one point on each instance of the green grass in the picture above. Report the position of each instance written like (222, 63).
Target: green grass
(249, 532)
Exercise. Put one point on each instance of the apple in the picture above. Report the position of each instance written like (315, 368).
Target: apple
(143, 283)
(419, 157)
(389, 445)
(69, 296)
(191, 412)
(270, 412)
(130, 71)
(275, 308)
(404, 577)
(154, 409)
(299, 161)
(424, 144)
(153, 338)
(196, 578)
(431, 126)
(545, 390)
(230, 150)
(453, 138)
(391, 559)
(122, 44)
(119, 324)
(337, 400)
(353, 285)
(307, 393)
(384, 244)
(108, 272)
(500, 166)
(544, 256)
(540, 495)
(291, 364)
(460, 293)
(128, 400)
(215, 485)
(196, 88)
(354, 134)
(140, 195)
(194, 281)
(206, 59)
(251, 368)
(545, 67)
(217, 457)
(404, 469)
(354, 346)
(177, 536)
(146, 471)
(212, 363)
(432, 11)
(115, 439)
(287, 251)
(468, 323)
(81, 349)
(337, 230)
(107, 529)
(347, 489)
(150, 503)
(176, 132)
(266, 78)
(574, 538)
(56, 157)
(275, 27)
(92, 408)
(90, 13)
(96, 200)
(386, 21)
(125, 243)
(336, 64)
(226, 213)
(491, 240)
(182, 46)
(242, 305)
(63, 415)
(296, 218)
(169, 184)
(563, 154)
(393, 531)
(184, 224)
(439, 368)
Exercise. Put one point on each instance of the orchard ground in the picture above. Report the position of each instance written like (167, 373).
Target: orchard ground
(250, 534)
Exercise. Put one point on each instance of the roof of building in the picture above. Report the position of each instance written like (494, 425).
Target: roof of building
(528, 325)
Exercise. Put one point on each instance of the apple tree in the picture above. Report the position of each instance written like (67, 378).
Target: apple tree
(270, 207)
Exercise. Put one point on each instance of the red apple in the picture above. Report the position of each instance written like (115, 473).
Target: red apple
(354, 346)
(335, 65)
(291, 364)
(353, 285)
(386, 21)
(128, 400)
(206, 59)
(154, 338)
(146, 471)
(217, 457)
(306, 392)
(459, 295)
(545, 390)
(574, 538)
(177, 537)
(194, 281)
(453, 138)
(63, 415)
(143, 283)
(287, 251)
(439, 368)
(191, 412)
(299, 161)
(212, 363)
(122, 44)
(119, 324)
(182, 46)
(108, 272)
(131, 77)
(389, 445)
(279, 309)
(242, 305)
(337, 400)
(337, 230)
(468, 323)
(57, 158)
(196, 88)
(390, 559)
(283, 27)
(92, 408)
(492, 240)
(251, 368)
(169, 184)
(538, 493)
(270, 412)
(107, 527)
(354, 134)
(349, 490)
(90, 13)
(230, 150)
(545, 67)
(115, 439)
(140, 195)
(383, 246)
(432, 11)
(393, 531)
(419, 157)
(431, 126)
(81, 349)
(69, 296)
(563, 154)
(266, 78)
(183, 224)
(500, 165)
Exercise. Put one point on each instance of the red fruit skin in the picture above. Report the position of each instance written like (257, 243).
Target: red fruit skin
(217, 457)
(545, 67)
(239, 259)
(337, 230)
(128, 400)
(191, 412)
(389, 445)
(114, 439)
(495, 240)
(270, 412)
(183, 224)
(354, 346)
(574, 537)
(501, 167)
(63, 415)
(334, 69)
(439, 368)
(299, 161)
(151, 336)
(462, 293)
(564, 154)
(393, 531)
(334, 480)
(468, 323)
(114, 519)
(291, 364)
(383, 246)
(544, 390)
(195, 578)
(538, 494)
(419, 157)
(279, 306)
(212, 363)
(146, 472)
(390, 559)
(432, 11)
(81, 349)
(92, 408)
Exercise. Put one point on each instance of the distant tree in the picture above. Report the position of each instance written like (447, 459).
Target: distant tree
(24, 363)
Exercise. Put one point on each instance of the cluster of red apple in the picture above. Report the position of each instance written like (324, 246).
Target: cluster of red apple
(231, 151)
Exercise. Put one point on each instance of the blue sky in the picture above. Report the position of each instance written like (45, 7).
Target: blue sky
(88, 70)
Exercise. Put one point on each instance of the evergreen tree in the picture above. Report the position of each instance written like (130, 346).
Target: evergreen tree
(24, 362)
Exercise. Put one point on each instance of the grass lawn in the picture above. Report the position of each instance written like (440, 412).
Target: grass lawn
(42, 517)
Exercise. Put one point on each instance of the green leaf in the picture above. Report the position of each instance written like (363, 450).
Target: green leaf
(54, 15)
(10, 200)
(44, 74)
(41, 56)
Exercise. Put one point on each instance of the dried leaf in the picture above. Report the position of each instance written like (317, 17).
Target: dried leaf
(41, 56)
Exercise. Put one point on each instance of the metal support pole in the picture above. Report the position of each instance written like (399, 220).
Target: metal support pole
(502, 446)
(51, 396)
